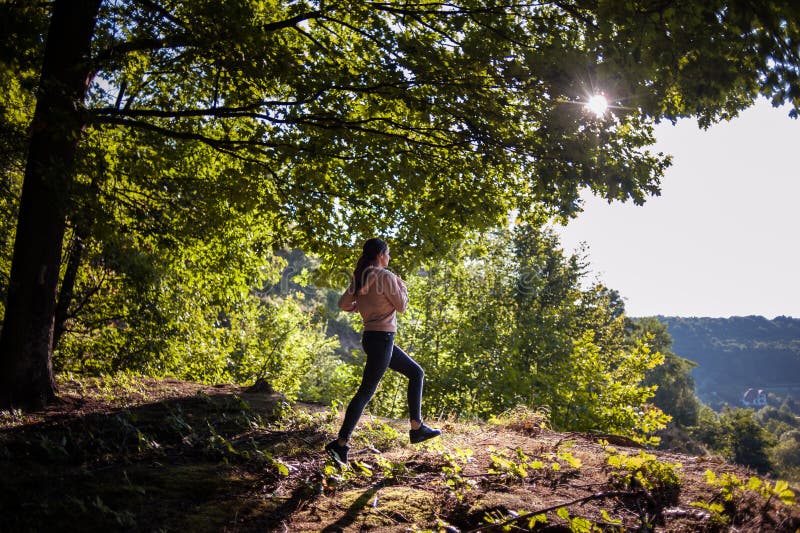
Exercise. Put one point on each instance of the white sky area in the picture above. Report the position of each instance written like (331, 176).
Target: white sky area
(722, 239)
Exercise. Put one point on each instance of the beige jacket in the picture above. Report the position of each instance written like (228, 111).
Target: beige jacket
(378, 301)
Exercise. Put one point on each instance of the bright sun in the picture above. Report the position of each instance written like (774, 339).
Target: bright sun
(598, 104)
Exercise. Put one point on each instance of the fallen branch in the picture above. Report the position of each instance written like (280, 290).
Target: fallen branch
(597, 496)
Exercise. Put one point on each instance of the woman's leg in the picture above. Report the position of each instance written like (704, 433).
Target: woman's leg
(378, 346)
(403, 363)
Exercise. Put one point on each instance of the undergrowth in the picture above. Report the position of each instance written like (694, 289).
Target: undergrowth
(212, 461)
(738, 503)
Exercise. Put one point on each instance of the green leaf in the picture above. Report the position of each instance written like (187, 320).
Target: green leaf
(607, 517)
(536, 519)
(754, 483)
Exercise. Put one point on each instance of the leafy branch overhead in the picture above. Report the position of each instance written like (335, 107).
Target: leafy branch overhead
(468, 108)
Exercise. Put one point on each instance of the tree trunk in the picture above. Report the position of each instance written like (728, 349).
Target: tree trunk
(67, 289)
(26, 370)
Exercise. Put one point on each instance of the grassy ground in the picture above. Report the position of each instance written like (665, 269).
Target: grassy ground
(144, 455)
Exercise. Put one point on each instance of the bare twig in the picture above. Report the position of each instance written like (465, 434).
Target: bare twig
(597, 496)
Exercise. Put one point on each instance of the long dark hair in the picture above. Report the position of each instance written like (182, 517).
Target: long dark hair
(369, 254)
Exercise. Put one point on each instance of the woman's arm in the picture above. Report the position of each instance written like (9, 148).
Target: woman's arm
(397, 293)
(347, 301)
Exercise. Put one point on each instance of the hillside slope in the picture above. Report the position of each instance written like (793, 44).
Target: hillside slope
(737, 353)
(145, 455)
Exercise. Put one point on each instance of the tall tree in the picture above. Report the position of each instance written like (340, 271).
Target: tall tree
(421, 120)
(25, 343)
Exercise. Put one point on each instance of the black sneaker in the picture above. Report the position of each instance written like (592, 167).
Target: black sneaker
(337, 452)
(423, 433)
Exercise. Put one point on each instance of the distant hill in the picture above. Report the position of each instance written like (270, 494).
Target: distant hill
(737, 353)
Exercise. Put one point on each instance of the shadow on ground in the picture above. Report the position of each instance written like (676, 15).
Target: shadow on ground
(198, 463)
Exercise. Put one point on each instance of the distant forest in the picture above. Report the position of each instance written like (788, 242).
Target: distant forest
(737, 353)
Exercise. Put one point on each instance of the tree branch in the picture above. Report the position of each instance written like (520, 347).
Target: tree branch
(292, 21)
(151, 44)
(312, 39)
(152, 6)
(326, 123)
(597, 496)
(185, 135)
(72, 313)
(245, 110)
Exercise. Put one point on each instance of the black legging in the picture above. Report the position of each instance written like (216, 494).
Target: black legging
(383, 354)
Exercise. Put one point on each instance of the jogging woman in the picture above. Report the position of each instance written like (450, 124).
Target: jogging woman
(378, 295)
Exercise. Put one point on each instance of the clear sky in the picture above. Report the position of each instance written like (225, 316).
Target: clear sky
(723, 239)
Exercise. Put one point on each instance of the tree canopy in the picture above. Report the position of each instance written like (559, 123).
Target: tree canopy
(429, 110)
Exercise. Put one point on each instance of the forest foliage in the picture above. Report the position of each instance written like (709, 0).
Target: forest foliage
(505, 321)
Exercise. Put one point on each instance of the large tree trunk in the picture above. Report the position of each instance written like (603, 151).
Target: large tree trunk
(26, 370)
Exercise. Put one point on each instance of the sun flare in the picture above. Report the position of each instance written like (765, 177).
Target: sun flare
(598, 105)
